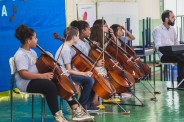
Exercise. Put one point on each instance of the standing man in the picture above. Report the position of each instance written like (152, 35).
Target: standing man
(165, 35)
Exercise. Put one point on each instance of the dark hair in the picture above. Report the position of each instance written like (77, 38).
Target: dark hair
(115, 28)
(74, 23)
(23, 33)
(81, 25)
(165, 14)
(70, 32)
(97, 31)
(98, 22)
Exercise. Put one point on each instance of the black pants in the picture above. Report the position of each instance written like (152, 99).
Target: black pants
(179, 59)
(47, 88)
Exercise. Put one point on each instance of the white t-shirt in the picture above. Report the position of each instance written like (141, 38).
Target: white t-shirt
(123, 39)
(24, 60)
(66, 56)
(84, 47)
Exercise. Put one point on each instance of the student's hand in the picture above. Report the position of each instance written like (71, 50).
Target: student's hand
(101, 63)
(95, 43)
(50, 54)
(112, 33)
(47, 76)
(88, 74)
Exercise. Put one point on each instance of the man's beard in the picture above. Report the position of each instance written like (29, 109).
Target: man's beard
(170, 23)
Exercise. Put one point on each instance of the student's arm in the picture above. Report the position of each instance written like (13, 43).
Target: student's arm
(67, 59)
(130, 36)
(74, 72)
(22, 64)
(114, 37)
(30, 76)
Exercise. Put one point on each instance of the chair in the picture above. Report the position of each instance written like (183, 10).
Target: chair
(165, 70)
(12, 90)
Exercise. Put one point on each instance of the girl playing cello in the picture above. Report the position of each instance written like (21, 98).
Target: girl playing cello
(119, 31)
(28, 79)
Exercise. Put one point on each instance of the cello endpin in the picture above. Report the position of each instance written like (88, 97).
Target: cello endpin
(125, 113)
(153, 99)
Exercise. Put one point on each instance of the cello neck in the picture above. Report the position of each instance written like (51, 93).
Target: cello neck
(45, 53)
(41, 49)
(83, 54)
(118, 47)
(63, 40)
(106, 53)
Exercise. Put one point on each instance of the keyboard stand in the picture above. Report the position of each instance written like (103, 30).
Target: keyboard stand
(172, 80)
(178, 86)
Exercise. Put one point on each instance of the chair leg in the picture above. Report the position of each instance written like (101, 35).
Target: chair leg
(170, 72)
(32, 108)
(61, 104)
(166, 73)
(11, 95)
(11, 104)
(43, 114)
(172, 76)
(161, 77)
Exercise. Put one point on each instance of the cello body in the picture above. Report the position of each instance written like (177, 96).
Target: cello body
(143, 66)
(101, 86)
(120, 79)
(66, 88)
(124, 61)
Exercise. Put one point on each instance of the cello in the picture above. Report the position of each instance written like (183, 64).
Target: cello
(115, 72)
(119, 54)
(102, 87)
(66, 88)
(131, 52)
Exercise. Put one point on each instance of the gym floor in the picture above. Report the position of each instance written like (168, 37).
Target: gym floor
(168, 107)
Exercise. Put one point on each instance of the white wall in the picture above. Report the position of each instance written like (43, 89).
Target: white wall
(147, 8)
(175, 5)
(116, 12)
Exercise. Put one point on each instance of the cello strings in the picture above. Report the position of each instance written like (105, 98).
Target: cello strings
(103, 35)
(59, 54)
(125, 35)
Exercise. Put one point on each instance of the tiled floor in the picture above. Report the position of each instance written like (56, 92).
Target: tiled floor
(168, 108)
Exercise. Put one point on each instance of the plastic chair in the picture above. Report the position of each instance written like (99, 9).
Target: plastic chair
(12, 90)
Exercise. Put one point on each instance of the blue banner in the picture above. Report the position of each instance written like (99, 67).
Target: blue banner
(44, 16)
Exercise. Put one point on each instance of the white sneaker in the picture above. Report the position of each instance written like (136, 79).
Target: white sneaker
(81, 115)
(58, 117)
